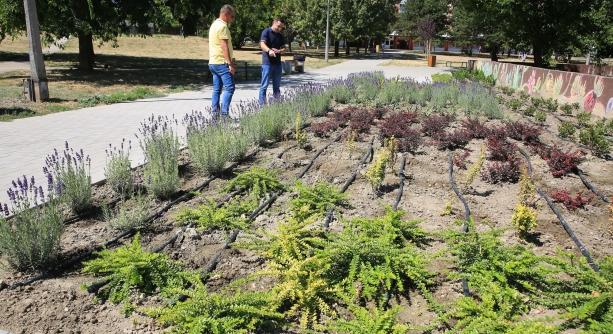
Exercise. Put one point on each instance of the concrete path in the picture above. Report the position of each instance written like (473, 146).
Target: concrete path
(26, 142)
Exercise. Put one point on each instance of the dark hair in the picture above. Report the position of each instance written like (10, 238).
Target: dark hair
(279, 19)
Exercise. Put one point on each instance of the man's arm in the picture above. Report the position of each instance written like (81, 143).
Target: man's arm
(264, 47)
(226, 55)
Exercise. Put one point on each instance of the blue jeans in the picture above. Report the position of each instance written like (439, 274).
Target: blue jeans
(222, 78)
(273, 71)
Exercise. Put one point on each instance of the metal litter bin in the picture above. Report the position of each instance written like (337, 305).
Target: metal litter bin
(299, 63)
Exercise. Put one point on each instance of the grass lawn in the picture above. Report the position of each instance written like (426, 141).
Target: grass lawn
(131, 69)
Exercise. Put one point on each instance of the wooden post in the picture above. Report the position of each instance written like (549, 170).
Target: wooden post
(37, 64)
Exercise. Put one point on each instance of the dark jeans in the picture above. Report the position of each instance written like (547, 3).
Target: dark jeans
(272, 71)
(222, 78)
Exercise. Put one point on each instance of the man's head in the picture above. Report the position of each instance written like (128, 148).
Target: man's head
(227, 13)
(278, 24)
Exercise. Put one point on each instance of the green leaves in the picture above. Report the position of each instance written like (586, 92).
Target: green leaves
(257, 181)
(209, 216)
(316, 200)
(130, 268)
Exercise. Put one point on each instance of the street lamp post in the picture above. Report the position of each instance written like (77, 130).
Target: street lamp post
(327, 29)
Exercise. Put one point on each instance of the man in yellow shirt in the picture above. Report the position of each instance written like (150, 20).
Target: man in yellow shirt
(221, 62)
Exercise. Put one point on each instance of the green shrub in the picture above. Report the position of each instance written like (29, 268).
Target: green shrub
(584, 118)
(208, 216)
(315, 200)
(256, 181)
(514, 104)
(131, 214)
(476, 75)
(130, 269)
(530, 111)
(394, 92)
(524, 219)
(340, 93)
(540, 116)
(370, 320)
(442, 77)
(551, 105)
(160, 145)
(587, 296)
(508, 91)
(30, 240)
(567, 130)
(567, 109)
(268, 124)
(118, 171)
(211, 313)
(594, 136)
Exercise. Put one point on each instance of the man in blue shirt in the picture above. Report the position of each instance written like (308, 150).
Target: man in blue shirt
(272, 43)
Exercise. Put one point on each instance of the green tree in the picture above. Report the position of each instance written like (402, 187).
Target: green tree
(416, 13)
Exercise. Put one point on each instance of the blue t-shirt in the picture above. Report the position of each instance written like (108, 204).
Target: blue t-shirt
(273, 40)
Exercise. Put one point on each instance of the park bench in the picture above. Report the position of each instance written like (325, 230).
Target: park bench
(450, 63)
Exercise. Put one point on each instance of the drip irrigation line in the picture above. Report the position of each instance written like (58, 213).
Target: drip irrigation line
(584, 251)
(310, 164)
(214, 261)
(285, 151)
(185, 195)
(401, 177)
(456, 190)
(467, 213)
(369, 153)
(590, 186)
(212, 264)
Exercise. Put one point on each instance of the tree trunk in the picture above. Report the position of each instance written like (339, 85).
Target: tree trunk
(86, 52)
(347, 49)
(538, 55)
(494, 49)
(336, 47)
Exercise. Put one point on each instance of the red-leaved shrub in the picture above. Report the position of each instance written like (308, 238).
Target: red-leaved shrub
(342, 116)
(323, 129)
(435, 123)
(451, 140)
(523, 131)
(570, 202)
(377, 113)
(360, 120)
(476, 128)
(459, 159)
(499, 132)
(397, 124)
(501, 171)
(500, 149)
(410, 141)
(561, 163)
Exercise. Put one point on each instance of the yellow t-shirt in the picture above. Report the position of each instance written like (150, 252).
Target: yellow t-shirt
(218, 31)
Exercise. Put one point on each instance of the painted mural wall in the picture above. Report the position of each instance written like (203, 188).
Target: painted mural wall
(593, 92)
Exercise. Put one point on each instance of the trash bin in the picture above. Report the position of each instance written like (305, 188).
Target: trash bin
(299, 63)
(287, 66)
(431, 61)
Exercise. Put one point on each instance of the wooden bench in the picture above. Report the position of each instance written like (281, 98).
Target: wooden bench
(450, 63)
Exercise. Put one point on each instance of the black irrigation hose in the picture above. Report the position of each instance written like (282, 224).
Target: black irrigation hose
(456, 190)
(590, 186)
(369, 154)
(285, 150)
(401, 177)
(184, 197)
(310, 164)
(584, 251)
(214, 261)
(467, 213)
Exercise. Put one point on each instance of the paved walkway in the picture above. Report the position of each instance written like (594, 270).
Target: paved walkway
(26, 142)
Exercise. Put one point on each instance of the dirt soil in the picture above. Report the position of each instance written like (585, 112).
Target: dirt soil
(60, 305)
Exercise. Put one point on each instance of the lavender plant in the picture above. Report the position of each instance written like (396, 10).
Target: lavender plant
(160, 144)
(212, 145)
(130, 214)
(71, 170)
(30, 240)
(118, 171)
